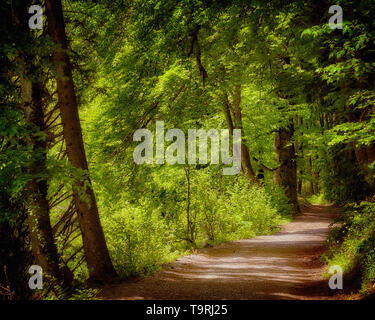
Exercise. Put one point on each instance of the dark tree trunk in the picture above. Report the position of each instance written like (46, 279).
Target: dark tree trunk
(94, 244)
(189, 222)
(43, 245)
(286, 174)
(299, 147)
(300, 185)
(312, 190)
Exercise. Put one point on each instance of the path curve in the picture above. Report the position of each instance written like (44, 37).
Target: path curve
(285, 265)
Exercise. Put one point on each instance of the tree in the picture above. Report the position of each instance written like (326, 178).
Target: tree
(232, 112)
(42, 240)
(286, 173)
(25, 214)
(95, 247)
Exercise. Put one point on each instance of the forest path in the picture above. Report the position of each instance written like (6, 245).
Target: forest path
(284, 265)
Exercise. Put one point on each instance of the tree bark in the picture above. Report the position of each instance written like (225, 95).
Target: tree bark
(298, 145)
(42, 240)
(235, 109)
(312, 191)
(94, 244)
(189, 223)
(286, 174)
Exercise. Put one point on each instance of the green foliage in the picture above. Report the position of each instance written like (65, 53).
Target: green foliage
(138, 240)
(250, 212)
(147, 226)
(317, 199)
(351, 244)
(235, 211)
(15, 253)
(84, 294)
(342, 179)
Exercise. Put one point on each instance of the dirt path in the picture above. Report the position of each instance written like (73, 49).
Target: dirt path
(281, 266)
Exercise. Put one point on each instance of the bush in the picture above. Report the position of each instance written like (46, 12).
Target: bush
(252, 211)
(342, 178)
(141, 238)
(138, 241)
(241, 211)
(352, 244)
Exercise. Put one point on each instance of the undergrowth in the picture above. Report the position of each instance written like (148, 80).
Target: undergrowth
(351, 244)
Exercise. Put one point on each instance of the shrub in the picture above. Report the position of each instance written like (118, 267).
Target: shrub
(252, 211)
(351, 244)
(241, 211)
(137, 241)
(143, 234)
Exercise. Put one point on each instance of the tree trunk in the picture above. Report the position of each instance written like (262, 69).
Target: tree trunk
(94, 244)
(312, 192)
(299, 147)
(43, 245)
(300, 182)
(286, 174)
(189, 222)
(246, 166)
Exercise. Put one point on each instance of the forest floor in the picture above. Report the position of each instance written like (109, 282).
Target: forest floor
(284, 265)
